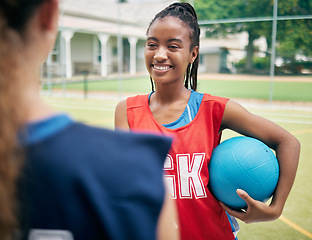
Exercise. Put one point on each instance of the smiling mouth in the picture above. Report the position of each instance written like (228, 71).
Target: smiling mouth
(161, 68)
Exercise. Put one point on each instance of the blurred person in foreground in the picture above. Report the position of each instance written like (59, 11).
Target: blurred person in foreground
(59, 178)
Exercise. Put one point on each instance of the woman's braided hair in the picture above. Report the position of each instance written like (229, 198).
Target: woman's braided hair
(186, 13)
(14, 16)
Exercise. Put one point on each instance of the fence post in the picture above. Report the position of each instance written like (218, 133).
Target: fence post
(85, 84)
(272, 66)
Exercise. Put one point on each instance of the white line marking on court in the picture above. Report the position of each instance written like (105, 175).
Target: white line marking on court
(303, 131)
(285, 115)
(82, 108)
(290, 121)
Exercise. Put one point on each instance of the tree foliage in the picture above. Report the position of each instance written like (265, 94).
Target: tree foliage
(294, 36)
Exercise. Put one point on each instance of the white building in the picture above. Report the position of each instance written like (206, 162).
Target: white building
(99, 36)
(103, 37)
(219, 54)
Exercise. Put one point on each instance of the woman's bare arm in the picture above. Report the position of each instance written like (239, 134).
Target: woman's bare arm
(121, 119)
(287, 149)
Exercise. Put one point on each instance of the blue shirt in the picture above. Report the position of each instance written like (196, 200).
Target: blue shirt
(189, 112)
(90, 182)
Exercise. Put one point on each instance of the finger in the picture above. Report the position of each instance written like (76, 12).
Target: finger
(226, 208)
(235, 213)
(243, 195)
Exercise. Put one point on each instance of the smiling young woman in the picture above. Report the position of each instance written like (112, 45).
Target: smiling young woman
(195, 121)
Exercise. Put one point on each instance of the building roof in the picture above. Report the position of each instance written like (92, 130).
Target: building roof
(106, 16)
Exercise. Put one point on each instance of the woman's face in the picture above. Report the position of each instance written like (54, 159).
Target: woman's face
(168, 50)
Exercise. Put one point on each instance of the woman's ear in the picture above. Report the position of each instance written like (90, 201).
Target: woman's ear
(194, 54)
(49, 14)
(47, 26)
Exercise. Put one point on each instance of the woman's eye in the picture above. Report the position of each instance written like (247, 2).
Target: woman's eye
(173, 47)
(151, 45)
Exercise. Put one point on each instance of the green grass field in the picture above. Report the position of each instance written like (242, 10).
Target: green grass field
(296, 221)
(282, 91)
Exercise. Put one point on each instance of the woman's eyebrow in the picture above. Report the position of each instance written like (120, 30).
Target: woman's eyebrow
(152, 38)
(170, 40)
(175, 40)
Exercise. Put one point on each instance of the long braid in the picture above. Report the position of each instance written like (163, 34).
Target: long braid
(194, 71)
(9, 123)
(187, 76)
(186, 13)
(152, 83)
(14, 15)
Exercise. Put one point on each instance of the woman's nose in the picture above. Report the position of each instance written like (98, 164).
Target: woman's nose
(161, 54)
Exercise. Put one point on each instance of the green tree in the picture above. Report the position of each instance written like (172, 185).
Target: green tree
(295, 36)
(298, 40)
(229, 9)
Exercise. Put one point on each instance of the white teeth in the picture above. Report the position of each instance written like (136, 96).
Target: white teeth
(161, 67)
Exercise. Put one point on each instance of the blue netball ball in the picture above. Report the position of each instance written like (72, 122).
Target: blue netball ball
(242, 163)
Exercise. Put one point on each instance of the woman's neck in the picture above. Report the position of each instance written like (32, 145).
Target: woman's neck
(32, 104)
(167, 104)
(167, 94)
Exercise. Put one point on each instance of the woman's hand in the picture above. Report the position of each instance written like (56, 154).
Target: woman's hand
(256, 211)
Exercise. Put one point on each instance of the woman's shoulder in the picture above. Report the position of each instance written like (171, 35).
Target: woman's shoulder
(219, 99)
(138, 100)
